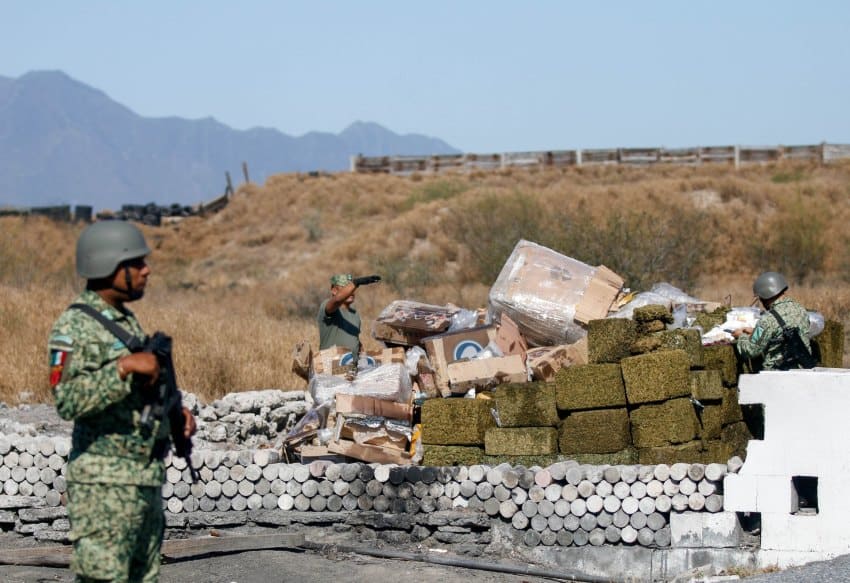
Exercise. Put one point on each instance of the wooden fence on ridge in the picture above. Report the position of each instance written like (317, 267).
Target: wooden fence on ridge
(731, 155)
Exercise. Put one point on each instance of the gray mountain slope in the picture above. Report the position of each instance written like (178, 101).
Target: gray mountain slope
(62, 142)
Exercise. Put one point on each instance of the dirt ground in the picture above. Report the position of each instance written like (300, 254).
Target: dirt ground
(289, 566)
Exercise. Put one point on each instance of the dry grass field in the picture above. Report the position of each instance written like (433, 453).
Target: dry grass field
(238, 289)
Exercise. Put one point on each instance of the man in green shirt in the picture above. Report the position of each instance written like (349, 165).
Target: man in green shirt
(339, 321)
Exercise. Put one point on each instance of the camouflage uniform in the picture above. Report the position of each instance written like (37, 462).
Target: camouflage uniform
(766, 339)
(114, 478)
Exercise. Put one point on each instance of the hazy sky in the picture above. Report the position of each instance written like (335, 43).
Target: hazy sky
(486, 76)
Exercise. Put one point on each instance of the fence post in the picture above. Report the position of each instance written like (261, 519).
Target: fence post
(578, 157)
(737, 157)
(245, 172)
(228, 190)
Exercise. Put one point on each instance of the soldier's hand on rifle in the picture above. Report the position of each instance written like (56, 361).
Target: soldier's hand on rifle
(144, 364)
(190, 427)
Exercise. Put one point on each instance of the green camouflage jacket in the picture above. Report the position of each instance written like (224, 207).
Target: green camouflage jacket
(766, 339)
(109, 445)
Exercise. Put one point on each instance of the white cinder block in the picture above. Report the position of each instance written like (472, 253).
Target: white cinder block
(702, 529)
(740, 493)
(763, 458)
(774, 494)
(802, 410)
(685, 530)
(790, 532)
(722, 530)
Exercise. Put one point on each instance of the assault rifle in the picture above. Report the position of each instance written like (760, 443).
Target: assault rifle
(167, 400)
(365, 280)
(795, 353)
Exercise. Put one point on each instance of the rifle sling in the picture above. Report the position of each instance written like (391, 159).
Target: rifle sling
(133, 343)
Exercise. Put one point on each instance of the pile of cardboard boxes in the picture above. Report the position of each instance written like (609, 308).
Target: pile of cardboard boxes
(546, 374)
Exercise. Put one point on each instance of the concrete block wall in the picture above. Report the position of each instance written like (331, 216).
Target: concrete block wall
(805, 437)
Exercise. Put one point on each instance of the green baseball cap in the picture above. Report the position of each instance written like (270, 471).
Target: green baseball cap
(341, 279)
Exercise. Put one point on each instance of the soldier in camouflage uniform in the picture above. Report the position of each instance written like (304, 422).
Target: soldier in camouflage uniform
(766, 340)
(338, 319)
(114, 477)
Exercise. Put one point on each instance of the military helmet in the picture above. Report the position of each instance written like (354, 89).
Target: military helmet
(769, 284)
(104, 245)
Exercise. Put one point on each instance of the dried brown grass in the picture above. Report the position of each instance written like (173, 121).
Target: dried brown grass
(238, 289)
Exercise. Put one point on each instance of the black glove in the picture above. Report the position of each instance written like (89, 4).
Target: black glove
(366, 280)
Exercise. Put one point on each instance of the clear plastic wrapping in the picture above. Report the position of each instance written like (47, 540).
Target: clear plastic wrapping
(463, 319)
(389, 381)
(411, 359)
(640, 300)
(539, 289)
(410, 314)
(816, 324)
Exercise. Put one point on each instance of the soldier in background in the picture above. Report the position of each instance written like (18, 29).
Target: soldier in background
(338, 319)
(766, 340)
(114, 475)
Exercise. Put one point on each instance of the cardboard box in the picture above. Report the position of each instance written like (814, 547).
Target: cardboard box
(508, 337)
(372, 406)
(337, 360)
(324, 359)
(373, 358)
(450, 347)
(486, 373)
(600, 294)
(302, 359)
(380, 437)
(549, 295)
(544, 362)
(370, 453)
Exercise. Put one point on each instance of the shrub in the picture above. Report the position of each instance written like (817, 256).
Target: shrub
(406, 276)
(489, 227)
(440, 190)
(792, 241)
(312, 223)
(642, 247)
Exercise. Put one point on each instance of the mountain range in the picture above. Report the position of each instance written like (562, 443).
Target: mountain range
(64, 142)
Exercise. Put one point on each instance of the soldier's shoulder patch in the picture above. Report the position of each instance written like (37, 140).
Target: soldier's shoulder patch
(61, 342)
(58, 360)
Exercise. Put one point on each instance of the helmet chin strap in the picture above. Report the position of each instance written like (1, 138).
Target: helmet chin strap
(133, 294)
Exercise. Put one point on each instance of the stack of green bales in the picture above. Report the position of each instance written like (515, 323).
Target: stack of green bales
(649, 395)
(453, 430)
(681, 397)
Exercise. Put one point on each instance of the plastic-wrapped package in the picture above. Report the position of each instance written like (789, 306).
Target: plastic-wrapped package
(747, 317)
(639, 300)
(674, 294)
(736, 318)
(389, 381)
(406, 323)
(463, 319)
(370, 428)
(816, 324)
(310, 424)
(410, 314)
(548, 294)
(411, 359)
(489, 351)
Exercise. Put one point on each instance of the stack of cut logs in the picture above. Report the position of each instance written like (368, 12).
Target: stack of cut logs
(564, 504)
